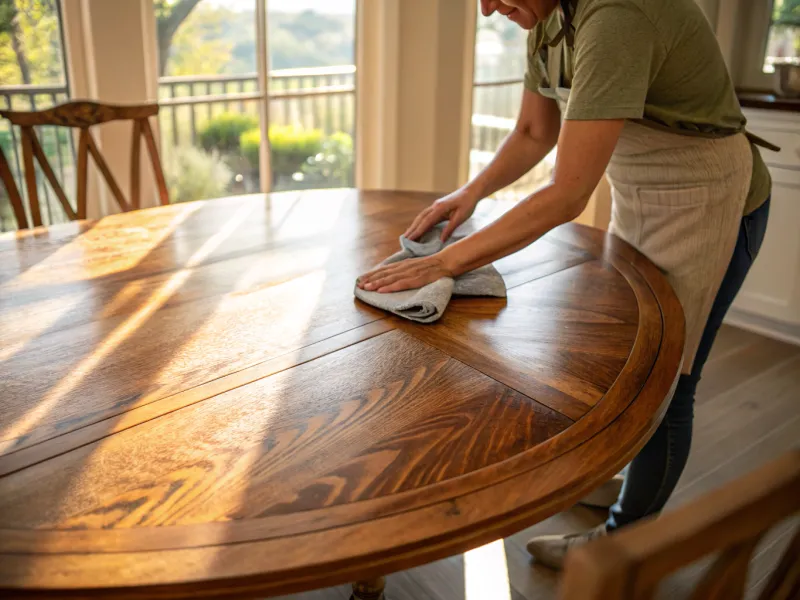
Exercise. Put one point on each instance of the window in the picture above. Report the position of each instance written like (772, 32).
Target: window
(500, 63)
(312, 92)
(33, 77)
(783, 41)
(212, 94)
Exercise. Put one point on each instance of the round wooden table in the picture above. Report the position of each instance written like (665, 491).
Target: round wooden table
(194, 405)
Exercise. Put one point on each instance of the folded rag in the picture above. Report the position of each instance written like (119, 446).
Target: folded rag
(427, 303)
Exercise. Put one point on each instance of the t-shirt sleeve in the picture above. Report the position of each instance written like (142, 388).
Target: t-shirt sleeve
(536, 72)
(617, 55)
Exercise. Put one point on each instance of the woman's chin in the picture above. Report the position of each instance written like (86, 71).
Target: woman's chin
(527, 22)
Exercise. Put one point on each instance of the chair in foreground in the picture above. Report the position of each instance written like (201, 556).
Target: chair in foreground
(83, 115)
(729, 521)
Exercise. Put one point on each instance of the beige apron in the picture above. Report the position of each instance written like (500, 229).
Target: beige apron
(679, 200)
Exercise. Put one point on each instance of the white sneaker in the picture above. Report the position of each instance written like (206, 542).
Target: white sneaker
(550, 550)
(606, 495)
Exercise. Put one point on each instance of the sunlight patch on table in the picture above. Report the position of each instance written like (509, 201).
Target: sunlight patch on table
(157, 299)
(47, 313)
(70, 263)
(311, 217)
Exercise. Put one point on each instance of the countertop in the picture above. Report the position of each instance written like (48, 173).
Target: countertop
(767, 100)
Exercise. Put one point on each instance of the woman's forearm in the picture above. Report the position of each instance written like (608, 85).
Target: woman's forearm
(519, 227)
(517, 155)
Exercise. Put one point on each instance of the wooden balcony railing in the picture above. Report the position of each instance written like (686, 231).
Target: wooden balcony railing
(316, 98)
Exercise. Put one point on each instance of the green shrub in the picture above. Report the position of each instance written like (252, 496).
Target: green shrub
(222, 132)
(333, 164)
(290, 147)
(192, 174)
(250, 145)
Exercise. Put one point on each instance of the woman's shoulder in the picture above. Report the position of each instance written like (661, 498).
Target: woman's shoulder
(658, 12)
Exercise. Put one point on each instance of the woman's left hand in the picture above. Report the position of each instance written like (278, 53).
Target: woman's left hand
(408, 274)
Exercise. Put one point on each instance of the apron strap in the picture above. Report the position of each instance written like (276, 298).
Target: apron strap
(568, 29)
(759, 141)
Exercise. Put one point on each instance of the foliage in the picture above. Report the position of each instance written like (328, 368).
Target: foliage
(222, 133)
(216, 40)
(5, 143)
(198, 45)
(50, 138)
(195, 37)
(192, 174)
(30, 43)
(333, 165)
(250, 146)
(290, 147)
(786, 12)
(309, 39)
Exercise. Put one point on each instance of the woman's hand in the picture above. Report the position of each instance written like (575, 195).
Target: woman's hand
(454, 208)
(407, 274)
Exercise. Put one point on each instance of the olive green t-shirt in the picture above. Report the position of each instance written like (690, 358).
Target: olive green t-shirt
(653, 61)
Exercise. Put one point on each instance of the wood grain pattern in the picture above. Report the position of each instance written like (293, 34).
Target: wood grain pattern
(206, 407)
(408, 417)
(83, 115)
(451, 578)
(80, 114)
(582, 306)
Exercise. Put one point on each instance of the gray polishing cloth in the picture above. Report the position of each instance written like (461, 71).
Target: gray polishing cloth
(427, 303)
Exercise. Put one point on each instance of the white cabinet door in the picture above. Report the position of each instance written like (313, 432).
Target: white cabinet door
(772, 288)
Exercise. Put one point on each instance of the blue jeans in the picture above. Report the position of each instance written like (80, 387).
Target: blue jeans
(652, 475)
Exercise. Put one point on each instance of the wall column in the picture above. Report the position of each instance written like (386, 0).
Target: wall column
(414, 93)
(111, 58)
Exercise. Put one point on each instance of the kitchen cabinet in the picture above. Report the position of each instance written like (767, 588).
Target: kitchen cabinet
(769, 301)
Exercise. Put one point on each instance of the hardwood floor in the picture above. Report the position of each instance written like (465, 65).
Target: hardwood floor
(747, 412)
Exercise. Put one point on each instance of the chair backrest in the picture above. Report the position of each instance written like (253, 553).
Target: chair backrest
(730, 521)
(83, 115)
(7, 177)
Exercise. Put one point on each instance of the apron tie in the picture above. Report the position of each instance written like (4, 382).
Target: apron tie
(568, 29)
(759, 141)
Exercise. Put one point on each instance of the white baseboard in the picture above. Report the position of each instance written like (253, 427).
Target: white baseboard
(778, 330)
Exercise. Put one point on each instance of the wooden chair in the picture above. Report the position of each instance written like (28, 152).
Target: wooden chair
(13, 192)
(82, 115)
(730, 521)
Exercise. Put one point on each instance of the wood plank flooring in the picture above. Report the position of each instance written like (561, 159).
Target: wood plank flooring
(747, 413)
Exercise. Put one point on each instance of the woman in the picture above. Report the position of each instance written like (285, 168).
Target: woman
(646, 98)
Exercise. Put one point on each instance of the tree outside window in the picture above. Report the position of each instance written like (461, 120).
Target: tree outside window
(208, 62)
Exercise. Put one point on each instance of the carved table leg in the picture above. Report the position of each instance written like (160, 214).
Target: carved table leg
(371, 589)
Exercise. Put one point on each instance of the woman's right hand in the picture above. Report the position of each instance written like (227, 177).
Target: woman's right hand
(454, 208)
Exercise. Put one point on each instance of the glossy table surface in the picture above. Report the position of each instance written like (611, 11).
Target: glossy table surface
(194, 403)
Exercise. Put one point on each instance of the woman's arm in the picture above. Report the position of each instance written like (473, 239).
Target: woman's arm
(533, 137)
(584, 149)
(535, 134)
